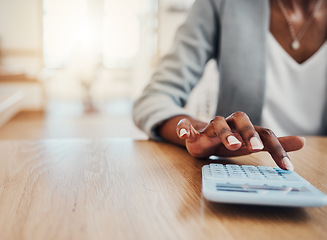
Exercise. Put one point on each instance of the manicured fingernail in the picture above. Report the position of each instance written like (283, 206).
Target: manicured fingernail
(303, 138)
(233, 140)
(182, 132)
(256, 144)
(288, 164)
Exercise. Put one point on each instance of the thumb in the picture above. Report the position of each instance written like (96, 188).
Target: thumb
(292, 143)
(185, 130)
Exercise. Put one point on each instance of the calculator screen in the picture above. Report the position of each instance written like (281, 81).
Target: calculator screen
(249, 188)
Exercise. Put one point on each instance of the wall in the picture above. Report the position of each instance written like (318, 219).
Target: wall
(21, 51)
(21, 34)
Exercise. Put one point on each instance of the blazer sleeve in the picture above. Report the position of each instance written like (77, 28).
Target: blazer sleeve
(180, 70)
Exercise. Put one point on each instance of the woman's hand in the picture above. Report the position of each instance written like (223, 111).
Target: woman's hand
(236, 136)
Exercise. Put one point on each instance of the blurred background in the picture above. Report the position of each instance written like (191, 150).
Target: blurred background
(72, 68)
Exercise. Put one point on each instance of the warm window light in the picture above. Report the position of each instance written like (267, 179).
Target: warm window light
(108, 29)
(121, 31)
(63, 24)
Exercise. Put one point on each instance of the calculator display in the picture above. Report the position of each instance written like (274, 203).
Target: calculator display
(255, 188)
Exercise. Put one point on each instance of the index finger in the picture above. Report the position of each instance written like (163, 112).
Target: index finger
(275, 148)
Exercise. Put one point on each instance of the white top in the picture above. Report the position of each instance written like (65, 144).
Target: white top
(295, 93)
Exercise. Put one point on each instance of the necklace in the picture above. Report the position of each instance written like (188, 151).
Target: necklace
(296, 38)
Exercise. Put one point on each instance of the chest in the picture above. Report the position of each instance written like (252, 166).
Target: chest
(313, 37)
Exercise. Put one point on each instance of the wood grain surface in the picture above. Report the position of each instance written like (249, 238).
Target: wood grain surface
(129, 189)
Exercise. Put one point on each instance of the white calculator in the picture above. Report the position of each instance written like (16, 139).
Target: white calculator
(261, 185)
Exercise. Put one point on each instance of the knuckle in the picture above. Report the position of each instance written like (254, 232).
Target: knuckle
(248, 129)
(278, 151)
(266, 133)
(224, 131)
(240, 114)
(217, 119)
(183, 122)
(219, 126)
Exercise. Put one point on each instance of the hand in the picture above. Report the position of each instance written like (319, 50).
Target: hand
(236, 136)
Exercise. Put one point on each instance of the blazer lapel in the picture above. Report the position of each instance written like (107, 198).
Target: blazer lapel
(242, 58)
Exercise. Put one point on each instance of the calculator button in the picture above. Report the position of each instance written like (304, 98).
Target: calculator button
(267, 170)
(216, 166)
(237, 175)
(251, 174)
(216, 171)
(219, 174)
(256, 176)
(250, 169)
(281, 170)
(291, 177)
(274, 177)
(232, 167)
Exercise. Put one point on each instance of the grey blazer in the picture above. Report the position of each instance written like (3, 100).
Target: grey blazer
(235, 34)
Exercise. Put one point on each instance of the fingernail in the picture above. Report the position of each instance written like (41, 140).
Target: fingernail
(182, 132)
(303, 138)
(233, 140)
(288, 164)
(256, 144)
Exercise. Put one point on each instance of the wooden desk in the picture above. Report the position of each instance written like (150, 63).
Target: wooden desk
(125, 189)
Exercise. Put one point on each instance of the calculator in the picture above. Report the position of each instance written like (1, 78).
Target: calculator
(262, 185)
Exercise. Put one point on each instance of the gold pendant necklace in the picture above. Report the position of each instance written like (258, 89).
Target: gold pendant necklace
(296, 38)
